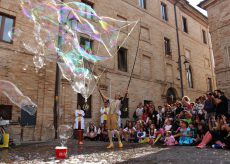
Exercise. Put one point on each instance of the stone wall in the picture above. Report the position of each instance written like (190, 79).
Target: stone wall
(219, 22)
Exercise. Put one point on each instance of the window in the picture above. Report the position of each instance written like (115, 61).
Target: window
(167, 46)
(147, 102)
(85, 106)
(86, 44)
(204, 37)
(125, 108)
(142, 4)
(122, 59)
(87, 13)
(189, 77)
(209, 84)
(6, 112)
(171, 96)
(184, 25)
(6, 24)
(164, 12)
(74, 24)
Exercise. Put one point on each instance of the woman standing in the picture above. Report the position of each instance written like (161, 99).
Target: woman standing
(79, 125)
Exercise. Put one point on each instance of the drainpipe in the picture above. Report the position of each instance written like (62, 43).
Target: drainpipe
(179, 53)
(57, 81)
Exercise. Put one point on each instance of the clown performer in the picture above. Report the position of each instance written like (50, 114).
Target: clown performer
(112, 119)
(79, 124)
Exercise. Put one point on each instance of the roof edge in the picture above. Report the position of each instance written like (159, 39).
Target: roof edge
(206, 3)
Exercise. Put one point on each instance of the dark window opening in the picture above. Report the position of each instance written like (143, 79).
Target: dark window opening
(122, 59)
(171, 96)
(185, 25)
(147, 102)
(142, 4)
(210, 85)
(85, 106)
(167, 46)
(6, 112)
(125, 108)
(164, 12)
(204, 37)
(87, 45)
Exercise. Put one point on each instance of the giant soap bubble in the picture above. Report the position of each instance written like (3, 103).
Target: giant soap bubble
(12, 92)
(58, 27)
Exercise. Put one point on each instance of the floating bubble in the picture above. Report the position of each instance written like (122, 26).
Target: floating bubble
(65, 132)
(57, 27)
(16, 97)
(38, 61)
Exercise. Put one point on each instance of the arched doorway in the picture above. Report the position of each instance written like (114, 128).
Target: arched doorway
(171, 95)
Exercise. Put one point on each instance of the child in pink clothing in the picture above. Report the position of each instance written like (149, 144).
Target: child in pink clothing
(169, 139)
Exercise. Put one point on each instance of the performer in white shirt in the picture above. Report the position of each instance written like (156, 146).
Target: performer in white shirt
(79, 124)
(104, 113)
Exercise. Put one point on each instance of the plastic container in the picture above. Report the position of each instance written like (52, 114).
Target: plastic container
(61, 152)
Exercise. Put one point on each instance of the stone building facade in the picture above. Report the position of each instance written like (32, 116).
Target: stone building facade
(219, 22)
(155, 77)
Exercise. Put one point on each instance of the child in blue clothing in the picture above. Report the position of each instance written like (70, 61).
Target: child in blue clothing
(185, 134)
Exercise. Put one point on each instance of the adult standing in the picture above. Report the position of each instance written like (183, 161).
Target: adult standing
(154, 116)
(112, 121)
(79, 125)
(221, 103)
(139, 111)
(186, 103)
(209, 106)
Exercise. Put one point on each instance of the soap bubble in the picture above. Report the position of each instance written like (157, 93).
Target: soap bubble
(65, 132)
(38, 61)
(57, 27)
(11, 91)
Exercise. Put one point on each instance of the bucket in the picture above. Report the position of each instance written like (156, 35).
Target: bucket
(61, 152)
(6, 138)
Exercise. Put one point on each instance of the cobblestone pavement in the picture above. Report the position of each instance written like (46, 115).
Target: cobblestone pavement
(96, 152)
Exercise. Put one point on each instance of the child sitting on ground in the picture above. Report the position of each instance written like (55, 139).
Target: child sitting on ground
(129, 132)
(141, 135)
(152, 130)
(169, 139)
(161, 133)
(184, 134)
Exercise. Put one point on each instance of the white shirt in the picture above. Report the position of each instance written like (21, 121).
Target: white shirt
(139, 112)
(102, 111)
(78, 118)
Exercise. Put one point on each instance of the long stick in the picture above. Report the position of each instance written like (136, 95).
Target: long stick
(98, 88)
(135, 56)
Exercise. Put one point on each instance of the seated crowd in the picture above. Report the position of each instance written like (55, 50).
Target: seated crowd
(203, 122)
